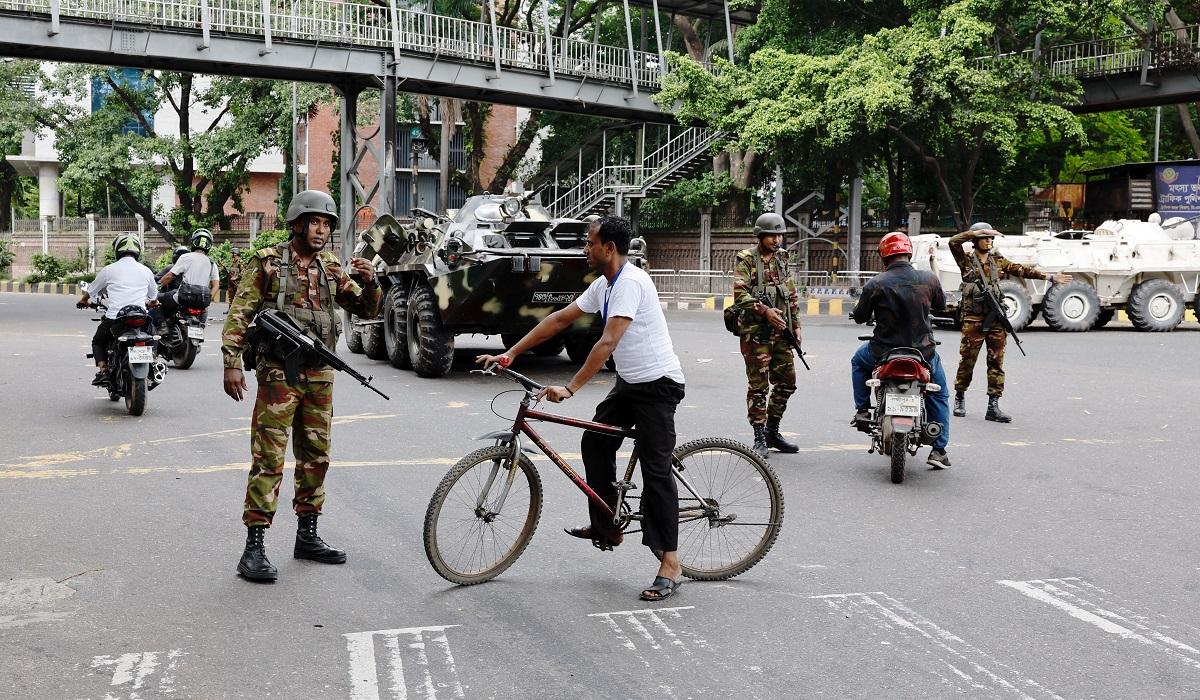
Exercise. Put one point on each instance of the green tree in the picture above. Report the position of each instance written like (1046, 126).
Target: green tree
(19, 113)
(920, 83)
(223, 125)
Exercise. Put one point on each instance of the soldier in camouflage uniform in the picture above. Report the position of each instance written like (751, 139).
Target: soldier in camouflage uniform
(305, 282)
(233, 275)
(767, 353)
(984, 268)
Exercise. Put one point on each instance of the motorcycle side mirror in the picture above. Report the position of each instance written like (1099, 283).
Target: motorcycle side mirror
(83, 286)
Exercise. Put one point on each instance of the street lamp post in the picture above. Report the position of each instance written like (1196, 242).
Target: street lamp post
(417, 147)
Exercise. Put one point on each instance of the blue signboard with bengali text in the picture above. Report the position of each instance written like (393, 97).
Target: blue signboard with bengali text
(1177, 190)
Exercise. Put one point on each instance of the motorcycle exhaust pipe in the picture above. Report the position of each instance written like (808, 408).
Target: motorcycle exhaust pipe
(930, 432)
(158, 372)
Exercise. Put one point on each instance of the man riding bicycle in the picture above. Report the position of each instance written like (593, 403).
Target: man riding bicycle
(649, 385)
(899, 299)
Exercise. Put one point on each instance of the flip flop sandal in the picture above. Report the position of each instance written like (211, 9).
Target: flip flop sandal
(662, 588)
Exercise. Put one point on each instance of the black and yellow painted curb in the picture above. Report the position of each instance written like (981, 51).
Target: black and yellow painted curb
(814, 306)
(60, 288)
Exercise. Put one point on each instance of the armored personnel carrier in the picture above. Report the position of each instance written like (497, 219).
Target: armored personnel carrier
(498, 265)
(1149, 269)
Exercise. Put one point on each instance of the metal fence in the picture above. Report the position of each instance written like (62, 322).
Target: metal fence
(693, 285)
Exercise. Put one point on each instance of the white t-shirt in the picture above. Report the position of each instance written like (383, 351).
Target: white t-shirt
(645, 351)
(124, 282)
(196, 268)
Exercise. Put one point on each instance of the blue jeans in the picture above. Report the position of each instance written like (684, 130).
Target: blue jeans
(937, 406)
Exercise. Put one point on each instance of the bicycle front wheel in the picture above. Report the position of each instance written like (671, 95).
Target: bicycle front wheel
(482, 515)
(730, 508)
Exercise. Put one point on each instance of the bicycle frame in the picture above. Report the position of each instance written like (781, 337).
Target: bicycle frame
(521, 426)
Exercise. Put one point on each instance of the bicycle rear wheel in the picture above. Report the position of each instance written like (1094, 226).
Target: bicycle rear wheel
(735, 514)
(482, 515)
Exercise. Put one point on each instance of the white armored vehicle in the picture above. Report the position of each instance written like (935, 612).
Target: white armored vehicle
(1149, 270)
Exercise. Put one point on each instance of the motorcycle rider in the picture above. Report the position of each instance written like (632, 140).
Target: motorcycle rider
(899, 299)
(770, 366)
(194, 270)
(979, 327)
(125, 282)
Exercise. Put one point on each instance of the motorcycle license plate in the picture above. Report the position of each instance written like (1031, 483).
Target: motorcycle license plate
(141, 353)
(196, 332)
(902, 405)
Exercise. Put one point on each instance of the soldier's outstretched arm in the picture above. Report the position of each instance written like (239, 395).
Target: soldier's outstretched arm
(956, 248)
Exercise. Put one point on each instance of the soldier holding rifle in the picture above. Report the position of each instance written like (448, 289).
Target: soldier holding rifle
(982, 269)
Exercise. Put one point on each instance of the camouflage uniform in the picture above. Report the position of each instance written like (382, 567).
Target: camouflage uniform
(768, 356)
(233, 277)
(977, 328)
(306, 407)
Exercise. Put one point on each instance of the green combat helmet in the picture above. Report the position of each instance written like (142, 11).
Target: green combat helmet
(312, 202)
(769, 223)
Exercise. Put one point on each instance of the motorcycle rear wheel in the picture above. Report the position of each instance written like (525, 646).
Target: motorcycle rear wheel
(183, 357)
(135, 397)
(899, 454)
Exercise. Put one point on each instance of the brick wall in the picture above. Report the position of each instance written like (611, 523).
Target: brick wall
(680, 250)
(500, 133)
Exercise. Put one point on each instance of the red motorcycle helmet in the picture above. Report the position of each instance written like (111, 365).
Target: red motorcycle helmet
(895, 243)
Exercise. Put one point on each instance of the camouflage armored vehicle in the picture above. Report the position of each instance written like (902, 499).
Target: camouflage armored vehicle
(498, 265)
(1149, 269)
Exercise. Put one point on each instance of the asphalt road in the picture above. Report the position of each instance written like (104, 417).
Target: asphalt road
(1057, 558)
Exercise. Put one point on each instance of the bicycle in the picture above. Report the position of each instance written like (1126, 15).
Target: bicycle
(486, 509)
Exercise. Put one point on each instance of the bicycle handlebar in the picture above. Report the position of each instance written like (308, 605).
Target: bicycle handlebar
(529, 384)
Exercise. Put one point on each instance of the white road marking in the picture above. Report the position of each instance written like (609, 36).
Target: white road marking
(646, 628)
(971, 670)
(139, 675)
(413, 642)
(1101, 609)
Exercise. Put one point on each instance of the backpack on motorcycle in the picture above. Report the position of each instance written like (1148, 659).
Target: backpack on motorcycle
(195, 296)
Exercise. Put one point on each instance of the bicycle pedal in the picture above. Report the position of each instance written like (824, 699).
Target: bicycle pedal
(624, 485)
(602, 545)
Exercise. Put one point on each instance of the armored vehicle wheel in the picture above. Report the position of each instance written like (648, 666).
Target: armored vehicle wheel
(395, 326)
(1072, 307)
(1017, 303)
(373, 345)
(430, 345)
(551, 348)
(1155, 305)
(1105, 316)
(353, 338)
(578, 347)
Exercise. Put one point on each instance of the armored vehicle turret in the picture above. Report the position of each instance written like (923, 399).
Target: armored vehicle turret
(498, 265)
(1149, 269)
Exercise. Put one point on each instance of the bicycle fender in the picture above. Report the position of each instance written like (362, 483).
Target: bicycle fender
(504, 436)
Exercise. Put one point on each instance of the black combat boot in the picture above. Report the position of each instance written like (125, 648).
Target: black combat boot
(994, 412)
(774, 439)
(960, 405)
(760, 440)
(309, 544)
(254, 564)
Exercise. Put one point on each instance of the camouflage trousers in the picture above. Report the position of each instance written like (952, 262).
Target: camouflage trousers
(973, 338)
(306, 411)
(770, 367)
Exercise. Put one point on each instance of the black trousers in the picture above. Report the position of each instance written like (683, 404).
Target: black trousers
(101, 339)
(650, 407)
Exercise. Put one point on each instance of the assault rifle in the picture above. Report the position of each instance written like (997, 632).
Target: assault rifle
(994, 307)
(292, 345)
(788, 335)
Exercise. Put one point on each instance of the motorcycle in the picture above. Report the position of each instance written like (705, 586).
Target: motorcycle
(899, 424)
(133, 369)
(182, 335)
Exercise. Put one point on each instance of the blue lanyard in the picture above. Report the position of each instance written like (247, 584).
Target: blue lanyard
(608, 291)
